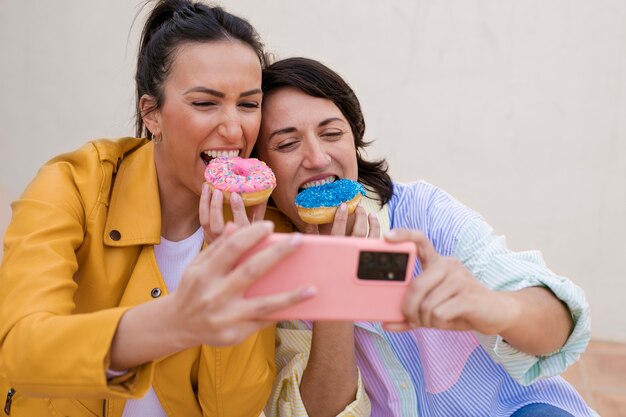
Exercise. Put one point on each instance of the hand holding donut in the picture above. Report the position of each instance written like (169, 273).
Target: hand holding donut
(447, 296)
(238, 182)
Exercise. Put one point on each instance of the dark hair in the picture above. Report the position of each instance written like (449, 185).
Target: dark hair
(317, 80)
(171, 24)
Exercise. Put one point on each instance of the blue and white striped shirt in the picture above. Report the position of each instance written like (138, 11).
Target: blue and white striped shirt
(430, 372)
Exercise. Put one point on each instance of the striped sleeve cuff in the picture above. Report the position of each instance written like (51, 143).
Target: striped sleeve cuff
(487, 257)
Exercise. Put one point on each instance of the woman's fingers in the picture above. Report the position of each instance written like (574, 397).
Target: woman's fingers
(429, 307)
(418, 290)
(203, 210)
(216, 216)
(451, 315)
(374, 227)
(259, 307)
(434, 271)
(240, 216)
(426, 252)
(341, 221)
(253, 267)
(210, 297)
(222, 256)
(359, 228)
(211, 213)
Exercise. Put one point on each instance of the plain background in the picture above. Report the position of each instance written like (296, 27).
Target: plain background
(516, 108)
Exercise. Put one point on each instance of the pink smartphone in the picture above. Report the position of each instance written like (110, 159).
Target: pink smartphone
(356, 278)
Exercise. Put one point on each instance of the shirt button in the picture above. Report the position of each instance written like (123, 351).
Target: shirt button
(156, 292)
(115, 235)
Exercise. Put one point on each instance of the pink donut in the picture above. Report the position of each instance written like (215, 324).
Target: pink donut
(249, 177)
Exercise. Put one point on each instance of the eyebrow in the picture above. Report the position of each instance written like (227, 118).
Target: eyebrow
(219, 93)
(292, 129)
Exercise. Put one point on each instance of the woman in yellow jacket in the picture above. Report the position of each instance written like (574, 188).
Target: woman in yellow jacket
(103, 234)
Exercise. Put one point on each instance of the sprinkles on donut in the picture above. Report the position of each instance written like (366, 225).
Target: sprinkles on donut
(249, 177)
(318, 205)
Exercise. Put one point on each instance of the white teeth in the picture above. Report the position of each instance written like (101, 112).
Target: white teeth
(310, 184)
(222, 154)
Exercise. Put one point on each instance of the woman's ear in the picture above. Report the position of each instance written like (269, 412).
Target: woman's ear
(150, 115)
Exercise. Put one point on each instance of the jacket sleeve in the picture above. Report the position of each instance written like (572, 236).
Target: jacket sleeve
(488, 258)
(45, 349)
(293, 343)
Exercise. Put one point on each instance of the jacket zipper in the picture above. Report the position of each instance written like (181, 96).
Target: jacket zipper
(8, 402)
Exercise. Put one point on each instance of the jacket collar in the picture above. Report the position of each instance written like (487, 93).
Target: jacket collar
(134, 216)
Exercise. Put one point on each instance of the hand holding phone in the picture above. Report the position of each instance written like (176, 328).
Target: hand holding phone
(356, 278)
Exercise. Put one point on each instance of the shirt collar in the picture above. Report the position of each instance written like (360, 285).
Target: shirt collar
(134, 216)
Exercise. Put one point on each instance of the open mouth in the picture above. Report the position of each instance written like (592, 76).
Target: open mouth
(207, 156)
(317, 183)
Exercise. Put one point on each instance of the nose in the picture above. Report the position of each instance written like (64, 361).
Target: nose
(230, 126)
(316, 156)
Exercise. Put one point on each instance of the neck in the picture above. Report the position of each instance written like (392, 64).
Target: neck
(177, 225)
(179, 212)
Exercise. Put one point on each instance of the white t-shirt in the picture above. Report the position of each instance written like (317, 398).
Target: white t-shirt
(172, 258)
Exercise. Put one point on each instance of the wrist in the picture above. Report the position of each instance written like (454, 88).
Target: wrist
(174, 323)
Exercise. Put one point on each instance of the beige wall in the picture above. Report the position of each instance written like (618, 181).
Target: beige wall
(516, 108)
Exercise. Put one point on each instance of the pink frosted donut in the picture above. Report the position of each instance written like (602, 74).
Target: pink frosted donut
(249, 177)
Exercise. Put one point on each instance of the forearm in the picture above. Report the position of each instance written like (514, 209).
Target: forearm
(145, 333)
(542, 322)
(330, 380)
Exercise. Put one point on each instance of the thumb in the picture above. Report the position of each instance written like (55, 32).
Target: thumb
(426, 252)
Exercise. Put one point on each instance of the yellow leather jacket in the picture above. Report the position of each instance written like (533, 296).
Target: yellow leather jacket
(77, 254)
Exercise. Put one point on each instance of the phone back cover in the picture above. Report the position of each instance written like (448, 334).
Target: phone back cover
(330, 264)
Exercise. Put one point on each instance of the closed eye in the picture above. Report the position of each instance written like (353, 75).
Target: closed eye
(250, 105)
(286, 145)
(332, 135)
(203, 103)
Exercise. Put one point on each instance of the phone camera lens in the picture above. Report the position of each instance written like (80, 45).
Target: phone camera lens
(367, 257)
(400, 260)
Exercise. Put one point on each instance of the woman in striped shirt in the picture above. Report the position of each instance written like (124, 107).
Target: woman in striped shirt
(476, 341)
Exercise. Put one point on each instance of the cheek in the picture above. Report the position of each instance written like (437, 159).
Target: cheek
(251, 126)
(284, 182)
(285, 172)
(351, 161)
(171, 117)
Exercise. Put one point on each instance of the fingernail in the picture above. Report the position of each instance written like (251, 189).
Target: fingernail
(343, 207)
(295, 239)
(309, 292)
(205, 188)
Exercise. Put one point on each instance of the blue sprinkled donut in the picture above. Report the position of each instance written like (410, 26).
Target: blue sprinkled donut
(317, 205)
